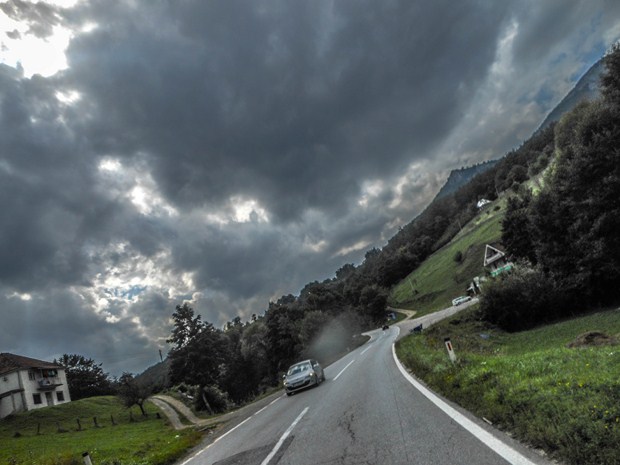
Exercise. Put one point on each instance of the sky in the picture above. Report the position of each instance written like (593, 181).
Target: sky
(226, 153)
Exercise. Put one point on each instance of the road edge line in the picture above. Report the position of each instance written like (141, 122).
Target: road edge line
(496, 445)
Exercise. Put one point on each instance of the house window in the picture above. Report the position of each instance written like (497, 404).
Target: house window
(60, 396)
(31, 376)
(36, 398)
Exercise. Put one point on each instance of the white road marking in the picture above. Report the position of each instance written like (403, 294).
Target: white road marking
(502, 449)
(367, 348)
(283, 438)
(341, 371)
(221, 437)
(230, 431)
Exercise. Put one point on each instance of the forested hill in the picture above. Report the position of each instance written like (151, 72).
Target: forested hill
(587, 88)
(462, 176)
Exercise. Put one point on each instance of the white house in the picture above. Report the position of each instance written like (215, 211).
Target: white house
(27, 383)
(496, 260)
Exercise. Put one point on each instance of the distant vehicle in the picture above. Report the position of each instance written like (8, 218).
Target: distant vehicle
(385, 327)
(303, 375)
(460, 300)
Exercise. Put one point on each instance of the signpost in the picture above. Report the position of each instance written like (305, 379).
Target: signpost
(450, 349)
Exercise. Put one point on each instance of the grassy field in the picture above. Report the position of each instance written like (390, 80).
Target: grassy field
(563, 400)
(439, 279)
(51, 436)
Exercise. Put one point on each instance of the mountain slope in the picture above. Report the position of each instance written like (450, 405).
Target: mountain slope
(587, 88)
(460, 177)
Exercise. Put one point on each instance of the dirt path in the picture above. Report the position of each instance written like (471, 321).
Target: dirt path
(172, 407)
(409, 313)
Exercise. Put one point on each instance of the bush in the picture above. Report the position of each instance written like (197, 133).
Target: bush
(522, 299)
(217, 399)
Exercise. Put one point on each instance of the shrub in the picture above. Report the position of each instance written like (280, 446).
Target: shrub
(216, 400)
(522, 299)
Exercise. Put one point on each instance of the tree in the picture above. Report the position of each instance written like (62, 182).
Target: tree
(132, 392)
(610, 80)
(200, 360)
(186, 326)
(576, 218)
(516, 229)
(85, 377)
(199, 351)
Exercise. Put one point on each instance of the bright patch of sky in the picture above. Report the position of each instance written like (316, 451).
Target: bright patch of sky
(238, 210)
(24, 297)
(370, 189)
(135, 184)
(20, 48)
(35, 56)
(68, 97)
(116, 288)
(361, 245)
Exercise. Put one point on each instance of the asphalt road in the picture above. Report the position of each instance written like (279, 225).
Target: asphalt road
(366, 412)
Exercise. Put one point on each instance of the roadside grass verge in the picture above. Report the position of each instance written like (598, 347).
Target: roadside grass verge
(565, 401)
(145, 440)
(440, 278)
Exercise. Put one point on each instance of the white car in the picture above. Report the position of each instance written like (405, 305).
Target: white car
(460, 300)
(302, 375)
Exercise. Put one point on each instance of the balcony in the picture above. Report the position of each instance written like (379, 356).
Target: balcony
(48, 384)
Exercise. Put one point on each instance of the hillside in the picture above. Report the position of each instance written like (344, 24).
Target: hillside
(440, 278)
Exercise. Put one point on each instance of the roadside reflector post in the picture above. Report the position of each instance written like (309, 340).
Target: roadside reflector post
(86, 457)
(450, 349)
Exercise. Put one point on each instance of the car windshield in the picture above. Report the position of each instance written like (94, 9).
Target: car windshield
(298, 369)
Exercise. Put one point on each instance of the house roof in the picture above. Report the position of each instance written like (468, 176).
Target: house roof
(492, 253)
(11, 362)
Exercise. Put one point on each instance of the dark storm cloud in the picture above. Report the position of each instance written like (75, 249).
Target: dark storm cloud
(290, 103)
(337, 122)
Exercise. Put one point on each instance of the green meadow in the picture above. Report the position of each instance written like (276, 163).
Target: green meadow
(53, 436)
(565, 401)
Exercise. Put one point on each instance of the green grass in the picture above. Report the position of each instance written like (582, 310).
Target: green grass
(565, 401)
(439, 278)
(144, 441)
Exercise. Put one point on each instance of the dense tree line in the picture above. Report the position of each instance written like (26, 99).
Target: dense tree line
(567, 235)
(85, 377)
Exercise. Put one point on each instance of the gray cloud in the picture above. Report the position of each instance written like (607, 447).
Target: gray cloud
(227, 153)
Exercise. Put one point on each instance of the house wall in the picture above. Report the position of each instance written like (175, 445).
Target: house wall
(20, 401)
(13, 402)
(31, 387)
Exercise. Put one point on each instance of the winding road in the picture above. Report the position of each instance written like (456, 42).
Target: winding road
(368, 411)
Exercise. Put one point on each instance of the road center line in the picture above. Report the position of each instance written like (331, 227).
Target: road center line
(283, 438)
(341, 371)
(364, 351)
(499, 447)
